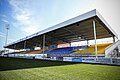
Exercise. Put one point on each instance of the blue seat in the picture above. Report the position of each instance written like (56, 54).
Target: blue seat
(66, 50)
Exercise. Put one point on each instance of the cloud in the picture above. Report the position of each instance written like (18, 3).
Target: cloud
(4, 20)
(4, 16)
(24, 16)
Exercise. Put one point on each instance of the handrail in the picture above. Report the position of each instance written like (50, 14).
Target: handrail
(111, 47)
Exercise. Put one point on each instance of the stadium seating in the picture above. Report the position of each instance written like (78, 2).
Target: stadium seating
(20, 52)
(66, 50)
(35, 52)
(30, 52)
(91, 49)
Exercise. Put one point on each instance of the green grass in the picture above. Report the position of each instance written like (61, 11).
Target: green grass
(25, 69)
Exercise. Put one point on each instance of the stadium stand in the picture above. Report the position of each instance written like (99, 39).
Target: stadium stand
(91, 49)
(77, 29)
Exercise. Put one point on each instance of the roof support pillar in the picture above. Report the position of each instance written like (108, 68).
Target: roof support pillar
(87, 42)
(70, 44)
(14, 47)
(43, 43)
(94, 27)
(24, 45)
(113, 39)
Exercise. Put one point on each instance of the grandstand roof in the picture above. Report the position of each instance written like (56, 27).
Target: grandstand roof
(72, 30)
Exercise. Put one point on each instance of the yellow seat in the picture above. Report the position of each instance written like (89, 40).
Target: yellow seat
(91, 49)
(35, 51)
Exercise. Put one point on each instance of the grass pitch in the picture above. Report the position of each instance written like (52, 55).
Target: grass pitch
(26, 69)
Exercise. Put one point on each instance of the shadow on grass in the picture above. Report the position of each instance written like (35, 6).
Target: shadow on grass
(17, 63)
(21, 63)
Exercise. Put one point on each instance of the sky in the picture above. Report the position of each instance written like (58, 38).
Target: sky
(26, 17)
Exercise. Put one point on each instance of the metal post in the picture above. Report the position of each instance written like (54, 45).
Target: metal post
(113, 39)
(87, 42)
(14, 50)
(43, 43)
(94, 27)
(70, 44)
(14, 47)
(24, 45)
(7, 28)
(8, 50)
